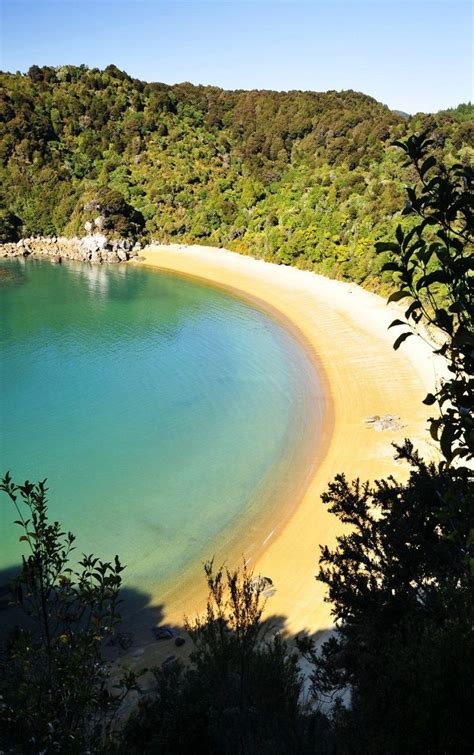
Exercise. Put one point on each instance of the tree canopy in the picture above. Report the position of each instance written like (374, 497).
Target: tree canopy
(300, 178)
(401, 579)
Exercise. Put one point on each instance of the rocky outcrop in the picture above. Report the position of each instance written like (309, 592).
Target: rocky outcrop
(95, 248)
(386, 422)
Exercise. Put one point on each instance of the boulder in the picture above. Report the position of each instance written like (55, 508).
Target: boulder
(110, 257)
(163, 633)
(261, 583)
(95, 242)
(95, 258)
(384, 422)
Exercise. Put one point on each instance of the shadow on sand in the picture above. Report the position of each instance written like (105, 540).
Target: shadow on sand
(144, 637)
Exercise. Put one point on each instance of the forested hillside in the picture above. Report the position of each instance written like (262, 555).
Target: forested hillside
(301, 178)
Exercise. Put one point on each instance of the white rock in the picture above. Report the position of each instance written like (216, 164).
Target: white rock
(94, 243)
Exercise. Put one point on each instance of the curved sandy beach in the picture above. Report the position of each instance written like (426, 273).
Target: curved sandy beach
(344, 328)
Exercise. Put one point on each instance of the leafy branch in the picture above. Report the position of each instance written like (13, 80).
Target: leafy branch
(433, 265)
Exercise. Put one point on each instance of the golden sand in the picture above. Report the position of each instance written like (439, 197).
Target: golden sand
(344, 329)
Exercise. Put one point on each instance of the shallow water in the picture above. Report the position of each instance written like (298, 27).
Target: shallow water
(158, 408)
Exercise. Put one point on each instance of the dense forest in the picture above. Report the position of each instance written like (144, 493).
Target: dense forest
(301, 178)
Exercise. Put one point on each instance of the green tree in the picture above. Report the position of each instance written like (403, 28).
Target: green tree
(435, 274)
(240, 693)
(53, 680)
(401, 580)
(116, 217)
(10, 226)
(202, 163)
(402, 596)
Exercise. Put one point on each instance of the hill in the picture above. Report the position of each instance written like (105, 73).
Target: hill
(300, 178)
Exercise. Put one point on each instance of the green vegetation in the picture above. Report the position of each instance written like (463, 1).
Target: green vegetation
(299, 178)
(241, 692)
(402, 591)
(54, 694)
(433, 265)
(401, 578)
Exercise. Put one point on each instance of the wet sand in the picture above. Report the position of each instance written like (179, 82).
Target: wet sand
(344, 331)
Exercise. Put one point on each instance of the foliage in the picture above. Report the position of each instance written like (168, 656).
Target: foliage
(107, 211)
(9, 226)
(402, 593)
(300, 178)
(463, 112)
(241, 692)
(53, 680)
(401, 579)
(436, 275)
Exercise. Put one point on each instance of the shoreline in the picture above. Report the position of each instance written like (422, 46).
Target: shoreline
(271, 505)
(343, 330)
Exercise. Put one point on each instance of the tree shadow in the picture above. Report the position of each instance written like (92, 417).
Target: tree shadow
(143, 633)
(152, 648)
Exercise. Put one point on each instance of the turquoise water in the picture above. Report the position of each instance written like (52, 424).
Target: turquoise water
(157, 407)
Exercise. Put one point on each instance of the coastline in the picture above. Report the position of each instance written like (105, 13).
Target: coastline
(343, 330)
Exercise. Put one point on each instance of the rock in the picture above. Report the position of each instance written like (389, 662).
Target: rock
(111, 257)
(95, 242)
(96, 258)
(374, 418)
(163, 633)
(169, 661)
(92, 205)
(94, 248)
(179, 641)
(260, 584)
(99, 222)
(88, 226)
(386, 422)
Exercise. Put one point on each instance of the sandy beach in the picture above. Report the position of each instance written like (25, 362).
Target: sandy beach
(344, 329)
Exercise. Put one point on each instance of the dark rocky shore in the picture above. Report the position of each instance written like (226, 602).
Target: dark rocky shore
(94, 248)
